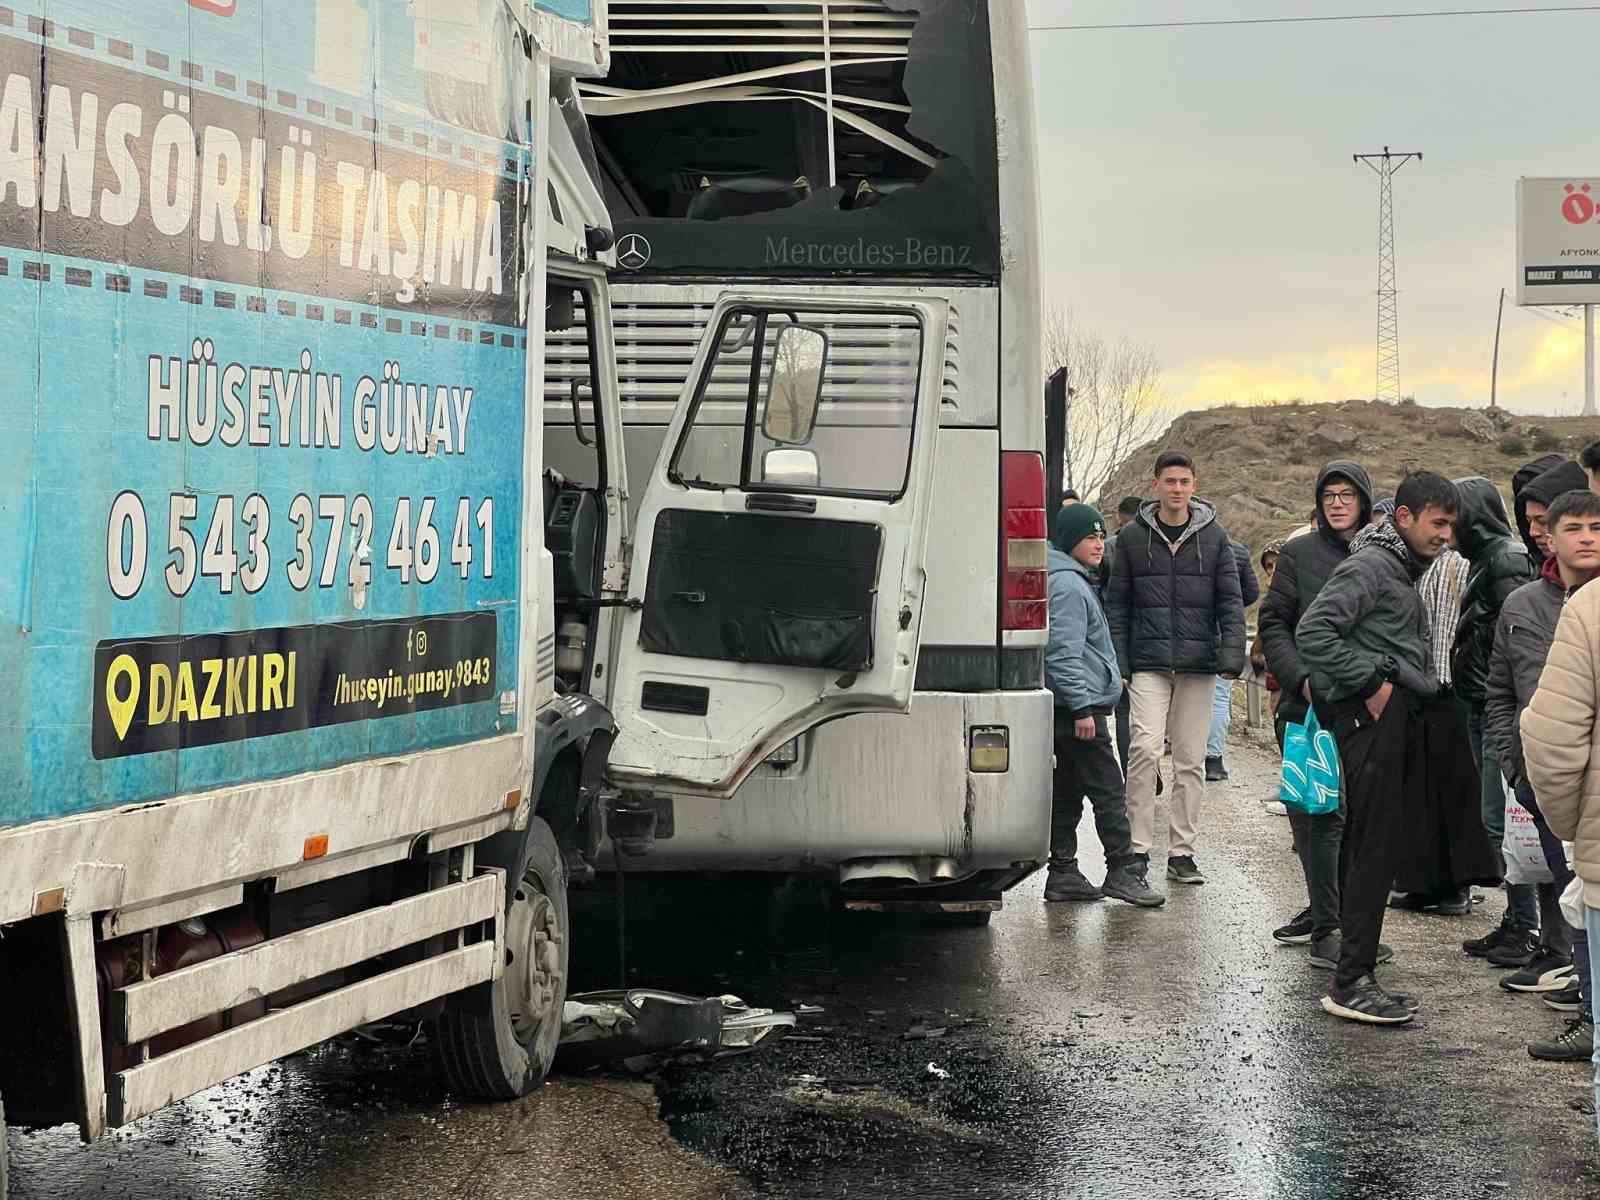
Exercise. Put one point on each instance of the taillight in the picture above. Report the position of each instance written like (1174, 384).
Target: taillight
(1024, 598)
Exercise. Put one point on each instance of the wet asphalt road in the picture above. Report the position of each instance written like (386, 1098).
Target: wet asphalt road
(1088, 1050)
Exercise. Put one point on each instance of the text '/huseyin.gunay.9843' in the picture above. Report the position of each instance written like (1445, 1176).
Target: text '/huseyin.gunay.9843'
(201, 400)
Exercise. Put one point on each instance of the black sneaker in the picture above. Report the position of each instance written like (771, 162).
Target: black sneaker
(1548, 972)
(1366, 1002)
(1183, 869)
(1405, 1000)
(1408, 901)
(1215, 771)
(1574, 1044)
(1480, 947)
(1568, 999)
(1455, 904)
(1297, 932)
(1067, 883)
(1516, 949)
(1325, 952)
(1131, 882)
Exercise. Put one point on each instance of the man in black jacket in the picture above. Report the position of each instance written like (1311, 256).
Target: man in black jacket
(1177, 622)
(1367, 643)
(1344, 508)
(1222, 697)
(1498, 564)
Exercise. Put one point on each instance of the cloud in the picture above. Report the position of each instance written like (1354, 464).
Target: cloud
(1541, 371)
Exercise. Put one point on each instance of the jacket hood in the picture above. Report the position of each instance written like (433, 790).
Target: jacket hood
(1482, 520)
(1201, 514)
(1359, 479)
(1059, 560)
(1384, 536)
(1550, 572)
(1528, 472)
(1563, 475)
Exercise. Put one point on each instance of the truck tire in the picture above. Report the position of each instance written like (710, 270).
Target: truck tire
(497, 1041)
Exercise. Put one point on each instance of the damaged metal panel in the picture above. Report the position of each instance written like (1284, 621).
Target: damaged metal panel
(642, 1028)
(921, 202)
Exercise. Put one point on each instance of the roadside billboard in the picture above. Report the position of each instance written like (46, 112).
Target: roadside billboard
(1558, 240)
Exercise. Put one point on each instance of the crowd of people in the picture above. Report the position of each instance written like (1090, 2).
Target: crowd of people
(1450, 648)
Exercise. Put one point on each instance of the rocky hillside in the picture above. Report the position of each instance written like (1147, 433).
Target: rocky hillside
(1258, 465)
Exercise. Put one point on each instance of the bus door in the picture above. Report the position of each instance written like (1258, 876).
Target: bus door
(780, 570)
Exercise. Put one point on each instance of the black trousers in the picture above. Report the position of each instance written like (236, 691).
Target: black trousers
(1373, 757)
(1088, 767)
(1317, 842)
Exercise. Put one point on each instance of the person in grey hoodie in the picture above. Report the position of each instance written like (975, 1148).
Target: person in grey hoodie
(1081, 670)
(1403, 751)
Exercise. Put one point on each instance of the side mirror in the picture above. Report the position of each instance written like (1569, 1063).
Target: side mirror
(794, 386)
(790, 468)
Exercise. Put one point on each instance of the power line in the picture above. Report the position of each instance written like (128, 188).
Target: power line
(1544, 316)
(1389, 16)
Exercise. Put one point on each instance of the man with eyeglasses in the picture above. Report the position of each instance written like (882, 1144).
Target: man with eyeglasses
(1344, 508)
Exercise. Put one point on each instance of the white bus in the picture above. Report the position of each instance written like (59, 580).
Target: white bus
(826, 152)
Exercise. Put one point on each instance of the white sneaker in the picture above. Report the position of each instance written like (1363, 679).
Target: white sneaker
(1276, 808)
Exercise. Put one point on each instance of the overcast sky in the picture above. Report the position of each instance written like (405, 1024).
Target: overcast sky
(1198, 191)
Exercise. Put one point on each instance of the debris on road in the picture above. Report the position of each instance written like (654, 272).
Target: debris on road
(937, 1071)
(643, 1028)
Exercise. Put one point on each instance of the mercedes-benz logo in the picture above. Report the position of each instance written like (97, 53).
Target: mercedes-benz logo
(633, 251)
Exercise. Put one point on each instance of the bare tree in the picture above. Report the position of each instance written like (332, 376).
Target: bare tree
(1114, 401)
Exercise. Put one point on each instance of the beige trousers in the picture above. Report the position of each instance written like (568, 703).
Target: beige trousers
(1177, 709)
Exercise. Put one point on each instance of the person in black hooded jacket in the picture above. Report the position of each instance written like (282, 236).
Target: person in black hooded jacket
(1532, 498)
(1499, 565)
(1344, 508)
(1520, 479)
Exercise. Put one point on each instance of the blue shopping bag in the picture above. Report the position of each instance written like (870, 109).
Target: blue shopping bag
(1310, 782)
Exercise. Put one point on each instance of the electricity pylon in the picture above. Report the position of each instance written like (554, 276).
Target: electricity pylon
(1388, 379)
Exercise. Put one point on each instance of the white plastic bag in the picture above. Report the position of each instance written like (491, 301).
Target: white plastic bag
(1524, 853)
(1572, 903)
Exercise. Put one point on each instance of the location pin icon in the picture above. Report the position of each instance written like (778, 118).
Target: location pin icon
(121, 707)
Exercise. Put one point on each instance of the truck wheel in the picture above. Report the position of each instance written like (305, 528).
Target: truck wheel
(497, 1042)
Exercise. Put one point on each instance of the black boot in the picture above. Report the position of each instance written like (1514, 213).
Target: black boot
(1065, 882)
